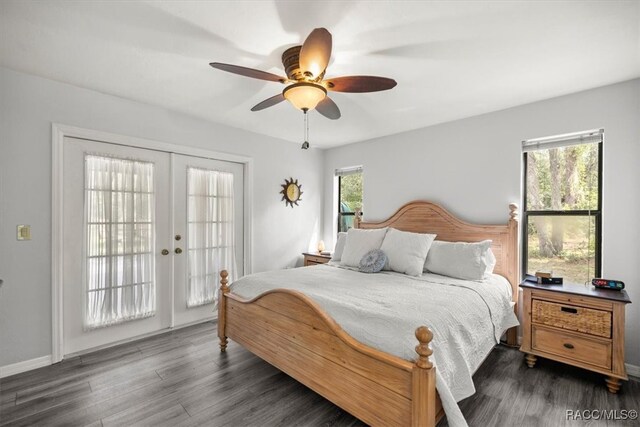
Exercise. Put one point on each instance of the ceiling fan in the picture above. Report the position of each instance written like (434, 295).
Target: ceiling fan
(306, 88)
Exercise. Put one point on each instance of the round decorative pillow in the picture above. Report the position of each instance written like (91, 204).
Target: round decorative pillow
(373, 261)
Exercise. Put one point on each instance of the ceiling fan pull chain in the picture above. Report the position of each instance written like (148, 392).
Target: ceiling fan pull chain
(305, 144)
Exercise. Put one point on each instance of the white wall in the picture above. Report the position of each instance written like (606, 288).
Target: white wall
(29, 104)
(473, 168)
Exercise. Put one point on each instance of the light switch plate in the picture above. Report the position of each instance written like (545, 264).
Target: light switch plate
(24, 232)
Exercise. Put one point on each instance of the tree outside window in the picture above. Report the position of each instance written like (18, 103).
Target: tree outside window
(562, 213)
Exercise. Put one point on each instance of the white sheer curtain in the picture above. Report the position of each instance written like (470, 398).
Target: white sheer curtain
(119, 225)
(211, 241)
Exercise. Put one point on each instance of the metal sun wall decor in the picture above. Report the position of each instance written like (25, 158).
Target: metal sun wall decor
(291, 192)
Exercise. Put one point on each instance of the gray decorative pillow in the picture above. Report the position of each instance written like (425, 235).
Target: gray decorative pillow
(373, 261)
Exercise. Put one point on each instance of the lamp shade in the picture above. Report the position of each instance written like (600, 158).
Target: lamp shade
(304, 95)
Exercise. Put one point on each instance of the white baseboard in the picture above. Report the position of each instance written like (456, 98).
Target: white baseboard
(633, 370)
(27, 365)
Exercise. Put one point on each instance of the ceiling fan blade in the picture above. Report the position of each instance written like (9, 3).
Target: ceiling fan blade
(269, 102)
(248, 72)
(360, 84)
(316, 52)
(328, 108)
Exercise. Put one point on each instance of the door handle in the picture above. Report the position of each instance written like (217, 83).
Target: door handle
(568, 345)
(165, 252)
(178, 251)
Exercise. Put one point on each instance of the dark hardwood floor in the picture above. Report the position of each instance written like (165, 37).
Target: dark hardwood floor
(181, 379)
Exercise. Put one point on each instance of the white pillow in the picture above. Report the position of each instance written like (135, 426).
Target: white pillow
(406, 252)
(359, 242)
(491, 263)
(468, 261)
(337, 252)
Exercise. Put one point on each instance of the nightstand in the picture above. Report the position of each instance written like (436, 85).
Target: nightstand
(315, 258)
(578, 325)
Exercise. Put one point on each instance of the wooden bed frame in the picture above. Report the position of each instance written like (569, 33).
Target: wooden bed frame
(290, 331)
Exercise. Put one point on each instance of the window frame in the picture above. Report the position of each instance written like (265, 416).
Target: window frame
(596, 214)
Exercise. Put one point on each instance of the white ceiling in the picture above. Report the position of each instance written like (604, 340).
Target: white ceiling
(451, 59)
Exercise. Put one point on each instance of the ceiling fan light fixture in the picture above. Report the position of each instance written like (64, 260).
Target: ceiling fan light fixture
(305, 67)
(305, 95)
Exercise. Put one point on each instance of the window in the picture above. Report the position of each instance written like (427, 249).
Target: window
(211, 237)
(120, 230)
(349, 196)
(562, 206)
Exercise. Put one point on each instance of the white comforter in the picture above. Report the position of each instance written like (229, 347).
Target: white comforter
(383, 311)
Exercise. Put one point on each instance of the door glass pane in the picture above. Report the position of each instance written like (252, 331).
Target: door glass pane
(564, 178)
(562, 245)
(119, 227)
(210, 233)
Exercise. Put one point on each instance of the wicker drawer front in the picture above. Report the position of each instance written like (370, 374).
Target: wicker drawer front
(573, 318)
(593, 351)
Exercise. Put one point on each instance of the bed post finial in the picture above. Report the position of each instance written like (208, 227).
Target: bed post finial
(223, 281)
(513, 214)
(222, 310)
(423, 387)
(424, 336)
(357, 218)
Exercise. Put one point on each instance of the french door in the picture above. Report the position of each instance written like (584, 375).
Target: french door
(208, 228)
(145, 235)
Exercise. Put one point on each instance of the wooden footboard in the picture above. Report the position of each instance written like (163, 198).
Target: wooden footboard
(291, 332)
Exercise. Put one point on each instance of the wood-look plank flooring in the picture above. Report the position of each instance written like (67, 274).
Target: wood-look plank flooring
(181, 379)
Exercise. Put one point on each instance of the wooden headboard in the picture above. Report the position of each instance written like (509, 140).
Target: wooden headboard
(427, 217)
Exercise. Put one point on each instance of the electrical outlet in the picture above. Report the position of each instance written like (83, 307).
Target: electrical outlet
(23, 232)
